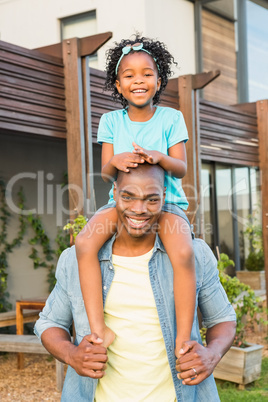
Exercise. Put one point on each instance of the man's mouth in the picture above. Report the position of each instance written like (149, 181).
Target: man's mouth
(137, 223)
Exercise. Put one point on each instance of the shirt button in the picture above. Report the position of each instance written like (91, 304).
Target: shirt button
(110, 267)
(104, 287)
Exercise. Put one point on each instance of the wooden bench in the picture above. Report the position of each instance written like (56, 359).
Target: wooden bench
(29, 344)
(9, 318)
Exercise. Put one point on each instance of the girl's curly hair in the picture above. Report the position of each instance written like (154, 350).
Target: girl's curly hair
(158, 51)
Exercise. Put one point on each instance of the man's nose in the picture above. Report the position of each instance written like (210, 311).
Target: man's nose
(139, 206)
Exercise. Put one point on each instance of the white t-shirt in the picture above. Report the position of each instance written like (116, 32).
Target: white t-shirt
(138, 368)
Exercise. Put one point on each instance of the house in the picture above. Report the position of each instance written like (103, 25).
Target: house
(49, 118)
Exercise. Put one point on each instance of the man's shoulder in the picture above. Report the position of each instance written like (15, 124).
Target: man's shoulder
(67, 261)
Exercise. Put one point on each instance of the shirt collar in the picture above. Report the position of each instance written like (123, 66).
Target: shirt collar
(105, 253)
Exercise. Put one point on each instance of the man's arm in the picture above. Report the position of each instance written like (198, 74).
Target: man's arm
(204, 359)
(87, 359)
(56, 318)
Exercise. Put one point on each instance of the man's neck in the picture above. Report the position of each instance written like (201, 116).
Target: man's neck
(132, 247)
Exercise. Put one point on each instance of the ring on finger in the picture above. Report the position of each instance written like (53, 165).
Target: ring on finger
(195, 374)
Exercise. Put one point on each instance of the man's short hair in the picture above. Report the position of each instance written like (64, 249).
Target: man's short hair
(143, 169)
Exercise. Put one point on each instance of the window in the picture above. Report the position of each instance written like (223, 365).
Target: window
(229, 195)
(79, 26)
(257, 51)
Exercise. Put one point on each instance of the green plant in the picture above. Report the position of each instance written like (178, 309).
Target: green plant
(253, 232)
(39, 240)
(242, 297)
(77, 225)
(7, 247)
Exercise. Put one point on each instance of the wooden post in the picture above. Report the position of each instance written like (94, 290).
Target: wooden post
(190, 185)
(189, 106)
(75, 126)
(262, 116)
(19, 331)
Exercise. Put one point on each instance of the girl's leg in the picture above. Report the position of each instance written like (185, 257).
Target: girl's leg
(176, 237)
(89, 241)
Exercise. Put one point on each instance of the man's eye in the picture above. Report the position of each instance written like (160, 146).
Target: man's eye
(126, 197)
(153, 200)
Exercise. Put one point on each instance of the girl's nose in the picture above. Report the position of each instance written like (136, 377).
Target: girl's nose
(139, 80)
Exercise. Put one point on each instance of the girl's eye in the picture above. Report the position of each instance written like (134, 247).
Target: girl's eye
(148, 75)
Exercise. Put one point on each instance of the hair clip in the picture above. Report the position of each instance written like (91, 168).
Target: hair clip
(127, 49)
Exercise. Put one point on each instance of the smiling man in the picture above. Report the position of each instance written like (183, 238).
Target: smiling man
(139, 308)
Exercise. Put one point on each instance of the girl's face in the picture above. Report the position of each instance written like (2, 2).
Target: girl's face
(138, 79)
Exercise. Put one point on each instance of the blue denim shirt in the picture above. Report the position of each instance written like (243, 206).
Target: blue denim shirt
(65, 304)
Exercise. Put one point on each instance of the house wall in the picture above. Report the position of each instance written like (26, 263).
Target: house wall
(37, 165)
(32, 24)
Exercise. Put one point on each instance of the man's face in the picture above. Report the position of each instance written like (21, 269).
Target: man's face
(139, 199)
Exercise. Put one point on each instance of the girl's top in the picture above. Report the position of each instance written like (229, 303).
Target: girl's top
(165, 129)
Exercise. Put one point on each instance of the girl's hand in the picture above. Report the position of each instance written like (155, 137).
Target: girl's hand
(152, 157)
(126, 160)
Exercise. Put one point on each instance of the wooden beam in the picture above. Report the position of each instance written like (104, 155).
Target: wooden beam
(90, 206)
(201, 80)
(262, 115)
(187, 105)
(88, 45)
(75, 126)
(91, 44)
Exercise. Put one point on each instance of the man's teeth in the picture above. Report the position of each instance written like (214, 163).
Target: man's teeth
(136, 221)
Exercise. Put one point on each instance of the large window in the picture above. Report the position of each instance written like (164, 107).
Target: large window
(257, 51)
(229, 194)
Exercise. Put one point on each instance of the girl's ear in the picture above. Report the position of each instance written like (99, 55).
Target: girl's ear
(158, 83)
(117, 84)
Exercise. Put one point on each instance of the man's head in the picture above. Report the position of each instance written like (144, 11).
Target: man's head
(139, 197)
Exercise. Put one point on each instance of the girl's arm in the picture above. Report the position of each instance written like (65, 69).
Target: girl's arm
(175, 162)
(111, 163)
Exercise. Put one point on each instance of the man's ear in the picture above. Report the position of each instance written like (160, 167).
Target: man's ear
(118, 87)
(164, 195)
(114, 190)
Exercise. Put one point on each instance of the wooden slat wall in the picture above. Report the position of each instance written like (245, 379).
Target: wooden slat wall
(219, 53)
(32, 98)
(228, 134)
(101, 101)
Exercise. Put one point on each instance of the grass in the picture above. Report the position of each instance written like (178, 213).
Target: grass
(256, 391)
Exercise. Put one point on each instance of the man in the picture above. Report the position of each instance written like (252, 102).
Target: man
(139, 308)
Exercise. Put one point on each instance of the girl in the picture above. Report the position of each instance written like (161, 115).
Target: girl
(137, 73)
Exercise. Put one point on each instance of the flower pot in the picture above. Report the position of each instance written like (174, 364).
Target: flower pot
(255, 279)
(240, 365)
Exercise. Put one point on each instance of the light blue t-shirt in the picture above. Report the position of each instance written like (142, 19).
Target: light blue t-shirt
(165, 129)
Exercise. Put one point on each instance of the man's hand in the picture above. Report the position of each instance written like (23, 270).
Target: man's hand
(195, 356)
(89, 358)
(126, 160)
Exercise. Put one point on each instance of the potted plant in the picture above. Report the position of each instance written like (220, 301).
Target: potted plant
(254, 274)
(242, 363)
